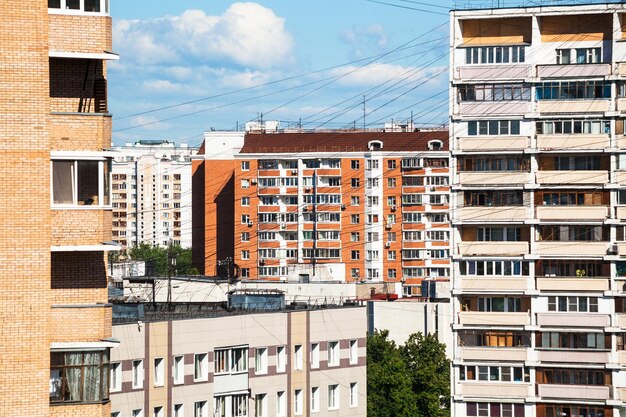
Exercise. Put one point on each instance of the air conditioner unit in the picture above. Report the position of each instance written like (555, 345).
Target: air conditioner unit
(305, 209)
(308, 190)
(388, 226)
(613, 250)
(294, 171)
(253, 181)
(388, 244)
(343, 206)
(393, 208)
(283, 225)
(250, 223)
(262, 262)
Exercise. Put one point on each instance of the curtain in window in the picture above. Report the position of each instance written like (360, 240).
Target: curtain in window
(91, 380)
(62, 181)
(72, 376)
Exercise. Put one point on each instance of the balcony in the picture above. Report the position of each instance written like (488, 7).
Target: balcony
(480, 354)
(574, 106)
(571, 249)
(493, 178)
(481, 318)
(572, 177)
(493, 108)
(574, 392)
(496, 390)
(494, 143)
(493, 72)
(573, 319)
(493, 248)
(573, 70)
(573, 356)
(620, 177)
(591, 213)
(495, 214)
(493, 284)
(81, 227)
(95, 30)
(573, 284)
(560, 142)
(621, 105)
(80, 132)
(621, 320)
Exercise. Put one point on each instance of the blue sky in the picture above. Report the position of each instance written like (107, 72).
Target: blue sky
(232, 61)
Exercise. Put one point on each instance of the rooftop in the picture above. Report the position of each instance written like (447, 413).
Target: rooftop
(343, 141)
(503, 4)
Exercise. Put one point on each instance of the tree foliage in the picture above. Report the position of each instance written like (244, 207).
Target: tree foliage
(157, 257)
(407, 381)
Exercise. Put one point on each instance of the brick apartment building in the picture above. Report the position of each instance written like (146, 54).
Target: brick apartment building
(325, 206)
(56, 323)
(538, 149)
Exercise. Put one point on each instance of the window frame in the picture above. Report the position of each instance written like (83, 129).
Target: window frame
(61, 373)
(105, 181)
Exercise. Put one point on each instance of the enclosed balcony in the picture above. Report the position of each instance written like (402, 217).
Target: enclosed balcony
(494, 241)
(574, 392)
(573, 169)
(574, 97)
(493, 214)
(573, 70)
(570, 319)
(493, 143)
(572, 241)
(496, 390)
(494, 311)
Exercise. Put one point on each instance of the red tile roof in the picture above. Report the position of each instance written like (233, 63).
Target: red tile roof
(346, 141)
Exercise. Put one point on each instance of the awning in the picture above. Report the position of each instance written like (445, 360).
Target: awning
(104, 55)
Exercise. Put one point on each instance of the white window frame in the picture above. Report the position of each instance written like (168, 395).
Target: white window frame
(102, 164)
(104, 9)
(260, 405)
(203, 360)
(333, 353)
(281, 359)
(281, 404)
(354, 394)
(297, 402)
(353, 351)
(137, 374)
(159, 372)
(157, 411)
(297, 357)
(315, 355)
(260, 360)
(179, 410)
(115, 376)
(315, 399)
(200, 409)
(245, 165)
(333, 397)
(137, 413)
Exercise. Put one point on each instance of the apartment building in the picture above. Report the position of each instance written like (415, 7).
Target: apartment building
(56, 324)
(538, 160)
(335, 206)
(152, 193)
(287, 362)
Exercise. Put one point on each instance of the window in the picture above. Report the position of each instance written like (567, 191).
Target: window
(179, 410)
(297, 357)
(333, 353)
(260, 405)
(260, 361)
(137, 372)
(556, 340)
(245, 237)
(200, 367)
(355, 182)
(391, 164)
(492, 92)
(297, 402)
(159, 372)
(281, 404)
(333, 397)
(315, 399)
(81, 183)
(245, 201)
(200, 409)
(179, 370)
(115, 414)
(245, 254)
(391, 255)
(354, 394)
(354, 200)
(391, 183)
(245, 272)
(354, 164)
(245, 219)
(240, 405)
(496, 410)
(355, 219)
(571, 377)
(573, 90)
(355, 237)
(371, 255)
(372, 273)
(245, 183)
(372, 218)
(573, 304)
(86, 6)
(79, 377)
(245, 165)
(116, 377)
(137, 413)
(493, 127)
(355, 273)
(493, 338)
(157, 411)
(495, 55)
(371, 164)
(567, 410)
(494, 373)
(372, 182)
(355, 255)
(281, 359)
(354, 351)
(315, 355)
(494, 268)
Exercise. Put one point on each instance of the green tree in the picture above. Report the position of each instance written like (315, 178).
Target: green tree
(429, 368)
(389, 385)
(407, 381)
(158, 257)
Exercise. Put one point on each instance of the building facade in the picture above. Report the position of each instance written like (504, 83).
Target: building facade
(152, 194)
(55, 126)
(283, 363)
(538, 151)
(340, 206)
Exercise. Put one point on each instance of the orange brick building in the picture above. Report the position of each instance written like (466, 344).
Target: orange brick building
(326, 206)
(56, 323)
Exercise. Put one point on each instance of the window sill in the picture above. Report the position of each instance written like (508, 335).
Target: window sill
(74, 403)
(73, 207)
(73, 12)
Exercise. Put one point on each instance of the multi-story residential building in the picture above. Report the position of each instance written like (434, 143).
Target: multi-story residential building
(329, 206)
(56, 323)
(288, 362)
(538, 151)
(152, 193)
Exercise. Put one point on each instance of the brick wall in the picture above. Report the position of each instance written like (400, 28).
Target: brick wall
(81, 227)
(80, 33)
(72, 80)
(81, 324)
(80, 132)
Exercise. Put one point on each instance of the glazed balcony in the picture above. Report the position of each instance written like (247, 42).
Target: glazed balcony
(483, 318)
(493, 284)
(573, 106)
(495, 214)
(620, 177)
(581, 356)
(481, 354)
(571, 249)
(573, 284)
(572, 177)
(493, 72)
(573, 70)
(578, 141)
(493, 143)
(493, 178)
(574, 392)
(589, 213)
(493, 108)
(576, 319)
(493, 248)
(496, 390)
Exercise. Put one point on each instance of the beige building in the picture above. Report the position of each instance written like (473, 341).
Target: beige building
(54, 125)
(205, 361)
(538, 160)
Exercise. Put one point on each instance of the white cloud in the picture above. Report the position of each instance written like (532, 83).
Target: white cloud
(366, 40)
(246, 34)
(375, 74)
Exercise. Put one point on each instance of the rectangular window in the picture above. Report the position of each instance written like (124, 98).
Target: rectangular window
(81, 183)
(240, 405)
(245, 183)
(281, 404)
(137, 372)
(79, 377)
(157, 412)
(315, 355)
(260, 405)
(159, 372)
(245, 201)
(391, 183)
(354, 394)
(333, 353)
(354, 200)
(354, 351)
(354, 164)
(116, 377)
(333, 397)
(178, 370)
(315, 399)
(260, 361)
(297, 357)
(355, 219)
(200, 367)
(297, 402)
(245, 165)
(137, 413)
(179, 410)
(200, 409)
